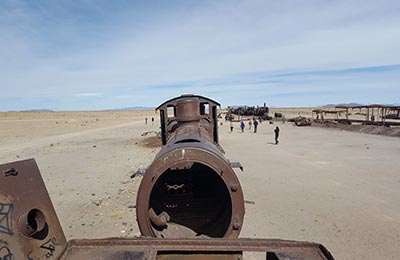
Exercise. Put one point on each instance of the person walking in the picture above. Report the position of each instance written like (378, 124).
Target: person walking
(276, 135)
(152, 120)
(145, 120)
(255, 123)
(242, 126)
(231, 126)
(250, 124)
(283, 118)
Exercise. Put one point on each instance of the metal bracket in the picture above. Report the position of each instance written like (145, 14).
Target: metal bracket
(236, 165)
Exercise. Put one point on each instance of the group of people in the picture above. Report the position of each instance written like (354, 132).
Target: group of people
(243, 125)
(255, 123)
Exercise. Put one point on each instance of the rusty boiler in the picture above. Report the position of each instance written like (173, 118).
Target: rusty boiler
(190, 189)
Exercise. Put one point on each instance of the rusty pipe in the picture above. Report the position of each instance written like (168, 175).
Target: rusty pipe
(159, 220)
(31, 223)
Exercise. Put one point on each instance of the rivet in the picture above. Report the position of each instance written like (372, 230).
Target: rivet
(234, 187)
(236, 226)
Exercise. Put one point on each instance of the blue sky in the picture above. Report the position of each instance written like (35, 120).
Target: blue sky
(84, 55)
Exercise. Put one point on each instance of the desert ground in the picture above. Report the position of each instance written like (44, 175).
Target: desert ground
(338, 188)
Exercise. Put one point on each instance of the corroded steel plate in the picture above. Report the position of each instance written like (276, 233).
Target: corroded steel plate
(217, 248)
(29, 227)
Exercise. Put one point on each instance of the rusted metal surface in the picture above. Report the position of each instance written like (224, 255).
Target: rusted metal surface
(190, 180)
(191, 109)
(29, 227)
(302, 121)
(155, 248)
(255, 112)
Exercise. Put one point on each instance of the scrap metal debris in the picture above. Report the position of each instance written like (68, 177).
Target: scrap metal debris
(141, 171)
(154, 133)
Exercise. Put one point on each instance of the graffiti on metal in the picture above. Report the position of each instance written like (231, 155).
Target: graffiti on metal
(5, 218)
(28, 221)
(5, 252)
(10, 172)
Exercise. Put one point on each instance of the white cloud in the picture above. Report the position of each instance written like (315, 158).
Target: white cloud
(46, 56)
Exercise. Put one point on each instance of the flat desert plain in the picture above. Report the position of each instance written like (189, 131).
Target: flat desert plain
(338, 188)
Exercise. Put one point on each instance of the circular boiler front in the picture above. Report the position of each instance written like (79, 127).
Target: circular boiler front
(190, 197)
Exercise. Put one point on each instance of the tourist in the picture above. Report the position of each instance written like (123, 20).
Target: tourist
(242, 126)
(276, 135)
(255, 123)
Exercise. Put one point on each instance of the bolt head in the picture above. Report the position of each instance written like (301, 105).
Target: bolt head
(234, 187)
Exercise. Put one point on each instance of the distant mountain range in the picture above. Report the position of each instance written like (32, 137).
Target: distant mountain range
(152, 108)
(34, 110)
(355, 105)
(133, 108)
(344, 105)
(113, 109)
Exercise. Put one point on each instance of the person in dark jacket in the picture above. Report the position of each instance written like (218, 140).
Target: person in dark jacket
(255, 123)
(276, 135)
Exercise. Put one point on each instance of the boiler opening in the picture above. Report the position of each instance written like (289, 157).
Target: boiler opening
(190, 202)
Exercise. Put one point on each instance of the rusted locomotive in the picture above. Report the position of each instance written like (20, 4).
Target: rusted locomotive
(190, 189)
(189, 205)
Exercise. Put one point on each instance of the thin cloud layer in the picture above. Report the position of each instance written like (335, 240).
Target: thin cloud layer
(97, 54)
(88, 95)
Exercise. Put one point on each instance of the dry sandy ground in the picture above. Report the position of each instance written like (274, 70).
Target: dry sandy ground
(338, 188)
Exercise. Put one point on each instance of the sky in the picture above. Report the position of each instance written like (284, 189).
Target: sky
(90, 55)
